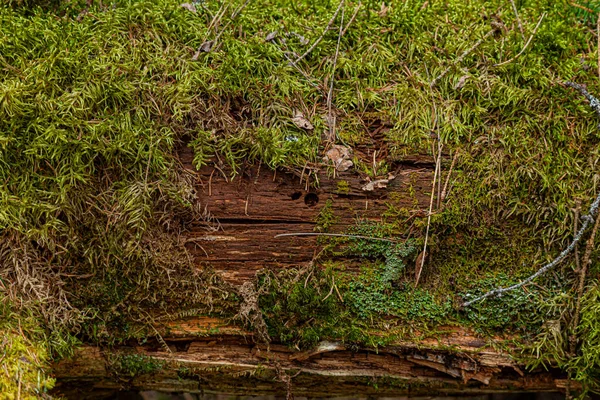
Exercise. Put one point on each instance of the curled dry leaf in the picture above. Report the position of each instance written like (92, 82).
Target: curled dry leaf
(205, 47)
(378, 184)
(340, 156)
(301, 122)
(271, 36)
(461, 82)
(189, 6)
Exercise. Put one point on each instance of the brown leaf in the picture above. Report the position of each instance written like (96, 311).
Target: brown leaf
(461, 82)
(340, 156)
(205, 47)
(419, 262)
(301, 122)
(378, 184)
(271, 36)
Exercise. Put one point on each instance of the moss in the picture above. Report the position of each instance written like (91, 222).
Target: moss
(25, 355)
(325, 218)
(93, 196)
(342, 187)
(132, 365)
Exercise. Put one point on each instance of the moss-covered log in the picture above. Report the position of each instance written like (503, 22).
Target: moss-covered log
(456, 361)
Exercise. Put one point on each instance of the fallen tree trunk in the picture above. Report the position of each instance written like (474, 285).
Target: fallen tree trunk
(211, 355)
(455, 362)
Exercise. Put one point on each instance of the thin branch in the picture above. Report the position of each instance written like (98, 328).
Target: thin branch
(445, 190)
(462, 56)
(331, 118)
(327, 28)
(514, 7)
(337, 235)
(587, 219)
(352, 18)
(526, 44)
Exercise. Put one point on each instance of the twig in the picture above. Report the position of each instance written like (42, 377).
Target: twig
(586, 221)
(575, 226)
(589, 217)
(586, 261)
(514, 7)
(337, 235)
(435, 174)
(352, 18)
(526, 44)
(462, 56)
(444, 190)
(331, 118)
(327, 28)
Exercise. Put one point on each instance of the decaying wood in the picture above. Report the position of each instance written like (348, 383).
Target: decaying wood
(258, 205)
(456, 361)
(252, 209)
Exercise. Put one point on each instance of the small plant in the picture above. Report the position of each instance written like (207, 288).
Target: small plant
(132, 365)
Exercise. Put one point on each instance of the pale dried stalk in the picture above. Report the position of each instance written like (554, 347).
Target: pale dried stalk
(327, 28)
(331, 118)
(514, 7)
(526, 44)
(462, 57)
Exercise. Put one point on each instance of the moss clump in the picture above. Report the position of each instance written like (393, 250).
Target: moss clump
(25, 355)
(95, 107)
(132, 365)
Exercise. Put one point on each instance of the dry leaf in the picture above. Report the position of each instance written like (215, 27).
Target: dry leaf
(205, 47)
(189, 7)
(378, 184)
(383, 11)
(340, 156)
(419, 262)
(301, 122)
(271, 36)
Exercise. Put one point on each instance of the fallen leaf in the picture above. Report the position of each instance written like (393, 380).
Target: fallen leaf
(301, 122)
(205, 47)
(383, 11)
(378, 184)
(271, 36)
(340, 156)
(461, 82)
(419, 266)
(189, 7)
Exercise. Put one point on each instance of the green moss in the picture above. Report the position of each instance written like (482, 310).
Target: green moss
(343, 187)
(92, 190)
(326, 218)
(132, 365)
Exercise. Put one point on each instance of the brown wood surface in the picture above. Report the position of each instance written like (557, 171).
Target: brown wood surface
(455, 361)
(259, 204)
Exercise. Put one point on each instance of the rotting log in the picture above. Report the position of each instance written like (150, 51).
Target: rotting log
(210, 355)
(454, 362)
(259, 204)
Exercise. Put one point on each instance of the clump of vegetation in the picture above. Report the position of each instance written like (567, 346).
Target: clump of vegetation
(132, 365)
(97, 101)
